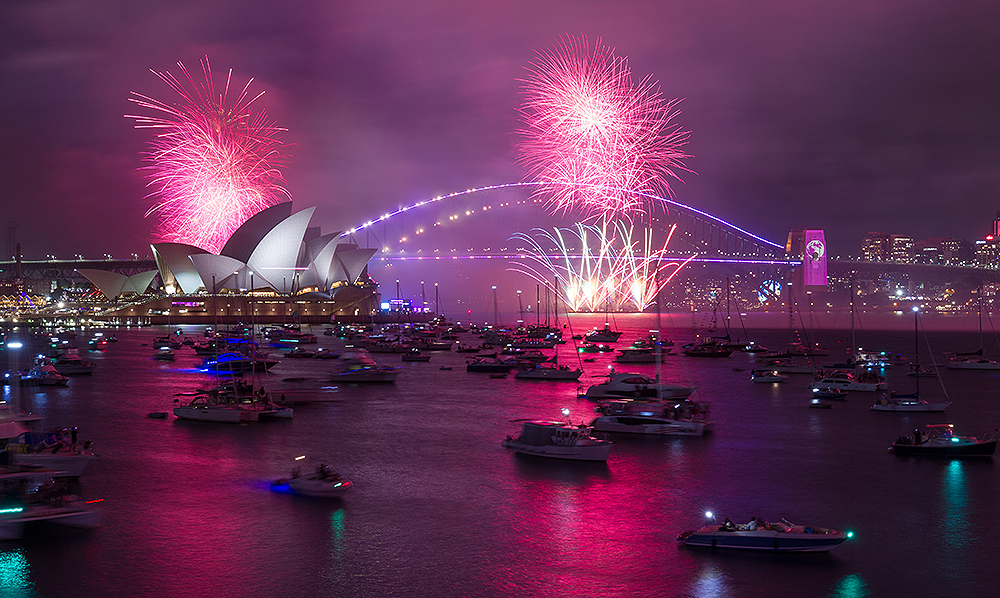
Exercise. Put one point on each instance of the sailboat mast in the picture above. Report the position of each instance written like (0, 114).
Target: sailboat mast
(658, 344)
(916, 349)
(979, 300)
(853, 345)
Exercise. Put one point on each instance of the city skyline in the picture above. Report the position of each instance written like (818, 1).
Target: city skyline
(802, 115)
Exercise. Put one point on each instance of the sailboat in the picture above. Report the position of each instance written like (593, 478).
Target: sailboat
(550, 369)
(975, 360)
(894, 402)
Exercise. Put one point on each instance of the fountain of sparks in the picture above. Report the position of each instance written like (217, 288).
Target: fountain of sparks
(592, 267)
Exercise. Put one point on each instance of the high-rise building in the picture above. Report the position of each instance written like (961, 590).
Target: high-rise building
(901, 248)
(873, 247)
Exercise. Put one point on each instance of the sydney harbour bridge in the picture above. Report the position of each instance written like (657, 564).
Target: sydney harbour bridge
(700, 237)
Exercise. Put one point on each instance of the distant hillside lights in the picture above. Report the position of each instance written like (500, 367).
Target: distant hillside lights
(945, 251)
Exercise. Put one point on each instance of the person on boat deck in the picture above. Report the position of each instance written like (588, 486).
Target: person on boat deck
(728, 524)
(752, 526)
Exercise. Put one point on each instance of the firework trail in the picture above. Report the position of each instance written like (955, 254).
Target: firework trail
(593, 266)
(588, 122)
(213, 162)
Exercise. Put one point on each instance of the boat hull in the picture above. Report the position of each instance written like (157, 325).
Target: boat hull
(631, 424)
(602, 392)
(765, 540)
(588, 452)
(67, 465)
(925, 407)
(548, 374)
(978, 449)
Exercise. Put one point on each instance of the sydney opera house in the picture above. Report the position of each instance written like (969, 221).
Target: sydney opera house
(274, 261)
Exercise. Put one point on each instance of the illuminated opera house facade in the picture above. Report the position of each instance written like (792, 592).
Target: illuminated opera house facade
(274, 264)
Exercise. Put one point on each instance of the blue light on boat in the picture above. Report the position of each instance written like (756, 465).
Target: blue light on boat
(954, 439)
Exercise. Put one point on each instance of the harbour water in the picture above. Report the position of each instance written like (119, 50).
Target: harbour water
(439, 508)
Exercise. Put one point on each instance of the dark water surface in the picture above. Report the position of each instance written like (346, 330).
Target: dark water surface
(439, 508)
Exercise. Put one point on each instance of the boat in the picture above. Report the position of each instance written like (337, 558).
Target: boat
(767, 376)
(71, 363)
(971, 361)
(844, 380)
(358, 366)
(975, 360)
(164, 354)
(51, 450)
(833, 394)
(300, 353)
(589, 347)
(889, 402)
(606, 335)
(548, 371)
(817, 403)
(788, 365)
(559, 440)
(642, 354)
(711, 347)
(636, 386)
(232, 402)
(920, 371)
(31, 497)
(940, 441)
(237, 363)
(658, 418)
(911, 402)
(322, 483)
(415, 355)
(44, 374)
(782, 536)
(490, 365)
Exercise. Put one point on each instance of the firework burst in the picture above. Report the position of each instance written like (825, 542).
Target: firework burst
(596, 266)
(596, 133)
(214, 163)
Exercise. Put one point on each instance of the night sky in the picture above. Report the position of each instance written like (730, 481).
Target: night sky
(852, 116)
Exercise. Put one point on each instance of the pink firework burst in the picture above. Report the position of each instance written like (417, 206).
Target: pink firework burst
(214, 163)
(596, 136)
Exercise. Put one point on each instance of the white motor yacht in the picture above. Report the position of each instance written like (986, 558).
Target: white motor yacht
(51, 450)
(548, 371)
(642, 354)
(668, 418)
(636, 386)
(33, 498)
(71, 363)
(559, 440)
(358, 366)
(864, 382)
(44, 375)
(767, 376)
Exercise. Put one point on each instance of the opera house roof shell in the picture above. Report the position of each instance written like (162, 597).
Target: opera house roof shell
(269, 250)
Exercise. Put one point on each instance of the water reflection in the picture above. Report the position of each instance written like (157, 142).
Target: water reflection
(711, 582)
(337, 535)
(851, 586)
(954, 526)
(14, 579)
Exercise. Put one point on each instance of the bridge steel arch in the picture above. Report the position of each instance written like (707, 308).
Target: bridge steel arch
(707, 234)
